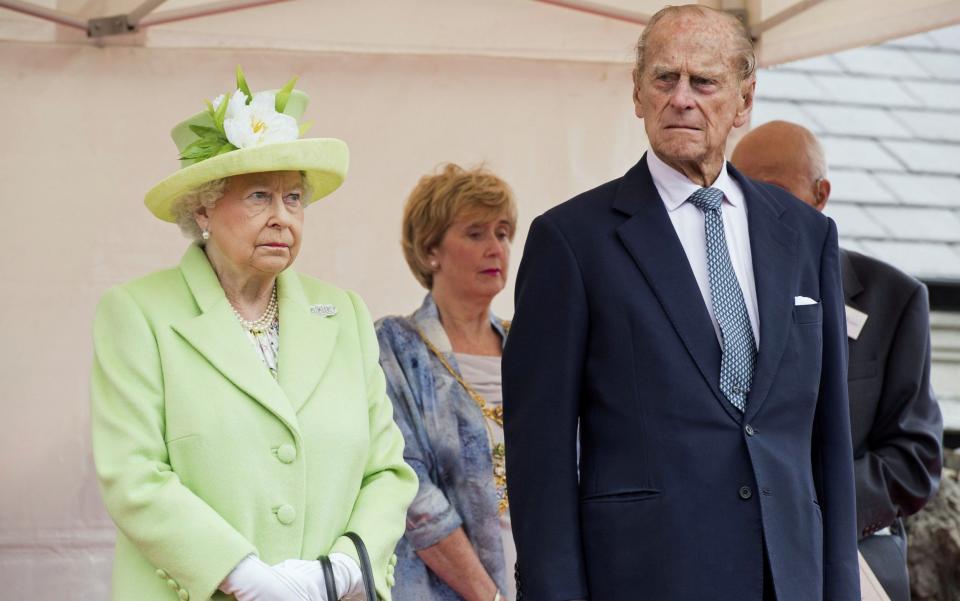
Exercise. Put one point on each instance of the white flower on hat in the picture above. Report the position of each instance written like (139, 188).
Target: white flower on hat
(247, 125)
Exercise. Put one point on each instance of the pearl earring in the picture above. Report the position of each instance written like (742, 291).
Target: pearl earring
(434, 264)
(205, 234)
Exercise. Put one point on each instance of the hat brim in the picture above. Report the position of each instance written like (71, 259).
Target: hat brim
(324, 162)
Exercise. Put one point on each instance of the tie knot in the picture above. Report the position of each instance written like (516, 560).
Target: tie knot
(707, 199)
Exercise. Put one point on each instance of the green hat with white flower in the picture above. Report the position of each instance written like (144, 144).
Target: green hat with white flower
(250, 133)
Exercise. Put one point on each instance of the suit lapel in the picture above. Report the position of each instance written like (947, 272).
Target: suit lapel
(217, 336)
(652, 242)
(306, 341)
(775, 268)
(851, 283)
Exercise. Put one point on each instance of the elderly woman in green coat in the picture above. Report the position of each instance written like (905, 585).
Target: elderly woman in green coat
(241, 428)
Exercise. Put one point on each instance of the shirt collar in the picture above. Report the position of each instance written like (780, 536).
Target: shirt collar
(675, 188)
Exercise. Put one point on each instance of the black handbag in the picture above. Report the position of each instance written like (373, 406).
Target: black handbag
(366, 570)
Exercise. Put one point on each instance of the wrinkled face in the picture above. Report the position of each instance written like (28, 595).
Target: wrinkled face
(473, 256)
(689, 95)
(255, 228)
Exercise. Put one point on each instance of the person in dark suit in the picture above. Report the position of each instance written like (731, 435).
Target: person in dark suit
(897, 426)
(685, 325)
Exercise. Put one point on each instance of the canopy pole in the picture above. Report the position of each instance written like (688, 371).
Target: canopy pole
(203, 10)
(137, 14)
(784, 15)
(42, 12)
(601, 10)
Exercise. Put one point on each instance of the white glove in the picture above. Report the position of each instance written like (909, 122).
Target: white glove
(349, 578)
(253, 580)
(346, 576)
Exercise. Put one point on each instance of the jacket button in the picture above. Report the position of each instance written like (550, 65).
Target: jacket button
(286, 453)
(286, 514)
(749, 430)
(745, 492)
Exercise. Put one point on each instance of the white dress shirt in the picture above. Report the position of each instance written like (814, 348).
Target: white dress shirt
(675, 188)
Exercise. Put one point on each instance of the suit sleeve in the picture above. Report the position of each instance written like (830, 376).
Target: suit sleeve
(832, 444)
(430, 517)
(388, 483)
(901, 470)
(542, 372)
(176, 531)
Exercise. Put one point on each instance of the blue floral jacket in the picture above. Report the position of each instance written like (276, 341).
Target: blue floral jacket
(447, 445)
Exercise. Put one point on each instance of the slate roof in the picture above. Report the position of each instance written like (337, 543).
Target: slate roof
(889, 120)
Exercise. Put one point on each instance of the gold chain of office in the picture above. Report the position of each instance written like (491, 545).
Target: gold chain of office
(498, 451)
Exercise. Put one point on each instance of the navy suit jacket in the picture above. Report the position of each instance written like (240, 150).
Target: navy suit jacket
(675, 493)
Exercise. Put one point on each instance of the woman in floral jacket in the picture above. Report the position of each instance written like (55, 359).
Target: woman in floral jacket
(442, 365)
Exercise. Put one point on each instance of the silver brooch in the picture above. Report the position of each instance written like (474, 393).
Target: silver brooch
(323, 310)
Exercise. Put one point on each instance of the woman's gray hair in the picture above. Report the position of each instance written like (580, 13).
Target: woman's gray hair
(206, 195)
(185, 208)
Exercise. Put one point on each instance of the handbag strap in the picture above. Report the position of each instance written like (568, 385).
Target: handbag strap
(328, 578)
(365, 567)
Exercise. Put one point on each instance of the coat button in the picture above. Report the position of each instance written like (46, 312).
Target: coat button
(161, 574)
(745, 492)
(389, 580)
(749, 430)
(286, 453)
(173, 584)
(184, 595)
(286, 514)
(393, 560)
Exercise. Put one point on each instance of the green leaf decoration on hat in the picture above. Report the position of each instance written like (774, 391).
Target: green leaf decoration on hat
(284, 95)
(257, 122)
(221, 113)
(204, 148)
(202, 131)
(210, 141)
(242, 84)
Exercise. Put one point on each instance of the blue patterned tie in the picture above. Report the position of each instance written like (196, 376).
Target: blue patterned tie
(739, 348)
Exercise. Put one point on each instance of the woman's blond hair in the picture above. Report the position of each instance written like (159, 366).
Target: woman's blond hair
(438, 200)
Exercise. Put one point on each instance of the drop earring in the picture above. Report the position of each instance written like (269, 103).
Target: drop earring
(205, 234)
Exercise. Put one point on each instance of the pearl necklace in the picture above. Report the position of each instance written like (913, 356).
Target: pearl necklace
(260, 325)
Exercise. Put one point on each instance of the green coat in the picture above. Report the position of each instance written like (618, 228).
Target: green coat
(203, 457)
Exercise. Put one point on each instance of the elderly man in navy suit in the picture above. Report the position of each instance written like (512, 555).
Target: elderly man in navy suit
(685, 324)
(896, 421)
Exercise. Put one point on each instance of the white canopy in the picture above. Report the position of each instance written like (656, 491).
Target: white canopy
(787, 30)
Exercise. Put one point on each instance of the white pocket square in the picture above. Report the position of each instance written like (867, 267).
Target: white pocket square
(803, 300)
